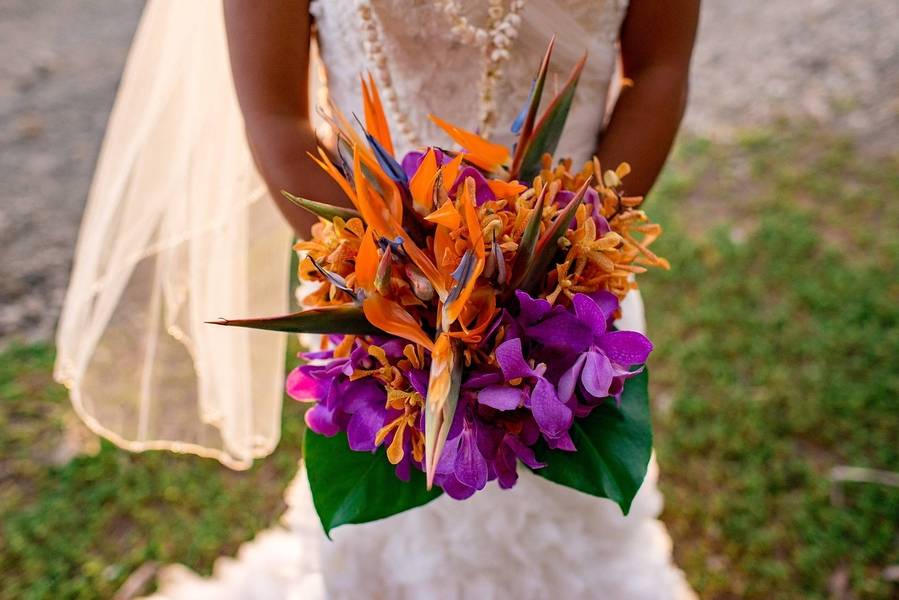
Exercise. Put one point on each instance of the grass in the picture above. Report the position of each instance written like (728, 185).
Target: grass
(776, 336)
(78, 530)
(777, 333)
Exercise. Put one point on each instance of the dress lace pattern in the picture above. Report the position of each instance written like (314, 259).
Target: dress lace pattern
(431, 72)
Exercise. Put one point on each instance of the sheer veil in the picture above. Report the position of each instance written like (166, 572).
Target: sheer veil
(178, 230)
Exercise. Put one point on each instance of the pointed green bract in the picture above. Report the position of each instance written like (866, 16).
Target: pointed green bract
(548, 246)
(613, 444)
(533, 105)
(346, 319)
(357, 487)
(528, 242)
(320, 209)
(548, 131)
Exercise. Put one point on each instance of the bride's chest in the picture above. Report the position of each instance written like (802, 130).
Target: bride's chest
(468, 21)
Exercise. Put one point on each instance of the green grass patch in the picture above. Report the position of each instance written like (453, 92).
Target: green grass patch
(777, 338)
(78, 530)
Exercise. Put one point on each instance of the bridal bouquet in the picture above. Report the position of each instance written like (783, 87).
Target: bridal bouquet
(467, 301)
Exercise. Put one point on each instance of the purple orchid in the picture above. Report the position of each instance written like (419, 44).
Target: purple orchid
(556, 364)
(600, 372)
(551, 414)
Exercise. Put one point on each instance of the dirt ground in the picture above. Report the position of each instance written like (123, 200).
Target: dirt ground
(832, 61)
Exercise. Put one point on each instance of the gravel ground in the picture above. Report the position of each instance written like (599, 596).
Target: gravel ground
(832, 61)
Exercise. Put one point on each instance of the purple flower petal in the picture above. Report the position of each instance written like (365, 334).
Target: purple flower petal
(506, 467)
(606, 301)
(502, 397)
(318, 354)
(524, 453)
(510, 360)
(597, 375)
(563, 442)
(447, 463)
(369, 416)
(568, 381)
(531, 310)
(322, 420)
(590, 313)
(552, 416)
(362, 394)
(301, 387)
(563, 197)
(411, 162)
(482, 191)
(626, 347)
(470, 467)
(454, 488)
(561, 331)
(481, 379)
(419, 380)
(403, 468)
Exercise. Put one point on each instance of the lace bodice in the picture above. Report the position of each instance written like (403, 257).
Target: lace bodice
(431, 71)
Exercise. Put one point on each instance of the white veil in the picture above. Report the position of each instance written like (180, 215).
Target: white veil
(178, 230)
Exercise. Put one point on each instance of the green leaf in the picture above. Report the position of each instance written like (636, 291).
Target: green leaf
(548, 131)
(613, 448)
(541, 258)
(320, 209)
(527, 243)
(347, 318)
(531, 115)
(357, 487)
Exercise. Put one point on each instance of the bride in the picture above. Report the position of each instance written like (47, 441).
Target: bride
(181, 228)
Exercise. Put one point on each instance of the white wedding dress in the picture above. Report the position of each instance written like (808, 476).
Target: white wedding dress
(538, 540)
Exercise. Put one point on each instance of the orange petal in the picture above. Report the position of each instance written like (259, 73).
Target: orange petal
(452, 310)
(375, 120)
(505, 189)
(475, 234)
(369, 203)
(451, 171)
(367, 261)
(444, 249)
(395, 449)
(479, 151)
(446, 215)
(393, 318)
(375, 213)
(325, 163)
(422, 183)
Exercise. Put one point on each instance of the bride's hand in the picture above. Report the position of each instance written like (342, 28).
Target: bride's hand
(269, 47)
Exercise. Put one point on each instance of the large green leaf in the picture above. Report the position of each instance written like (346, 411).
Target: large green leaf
(548, 131)
(613, 448)
(357, 487)
(348, 319)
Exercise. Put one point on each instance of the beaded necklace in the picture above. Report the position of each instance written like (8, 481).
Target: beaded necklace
(495, 41)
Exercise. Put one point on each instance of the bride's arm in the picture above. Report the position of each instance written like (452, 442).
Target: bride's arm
(656, 45)
(269, 47)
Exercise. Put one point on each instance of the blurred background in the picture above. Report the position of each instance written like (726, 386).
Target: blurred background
(777, 329)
